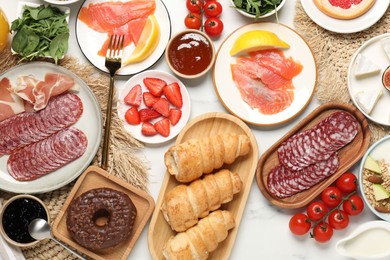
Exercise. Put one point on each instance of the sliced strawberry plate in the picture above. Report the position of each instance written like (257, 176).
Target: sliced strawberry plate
(154, 106)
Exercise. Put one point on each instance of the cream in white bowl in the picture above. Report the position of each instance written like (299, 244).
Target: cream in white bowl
(262, 16)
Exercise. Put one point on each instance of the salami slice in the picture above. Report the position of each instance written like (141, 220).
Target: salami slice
(26, 128)
(318, 143)
(40, 158)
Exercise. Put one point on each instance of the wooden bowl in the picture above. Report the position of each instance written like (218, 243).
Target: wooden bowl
(208, 125)
(348, 155)
(95, 177)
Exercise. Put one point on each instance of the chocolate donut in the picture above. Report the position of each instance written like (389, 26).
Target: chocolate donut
(86, 213)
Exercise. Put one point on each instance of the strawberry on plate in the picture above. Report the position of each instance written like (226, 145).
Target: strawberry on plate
(174, 115)
(155, 85)
(134, 97)
(149, 99)
(162, 106)
(147, 114)
(163, 127)
(148, 129)
(173, 94)
(132, 116)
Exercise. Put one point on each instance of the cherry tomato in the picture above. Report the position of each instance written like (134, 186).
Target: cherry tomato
(213, 26)
(193, 21)
(354, 205)
(338, 219)
(299, 224)
(331, 196)
(212, 9)
(322, 232)
(316, 210)
(346, 182)
(194, 6)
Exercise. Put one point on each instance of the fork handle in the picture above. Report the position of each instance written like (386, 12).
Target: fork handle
(106, 138)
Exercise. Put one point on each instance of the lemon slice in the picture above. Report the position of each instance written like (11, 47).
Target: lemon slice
(147, 43)
(257, 40)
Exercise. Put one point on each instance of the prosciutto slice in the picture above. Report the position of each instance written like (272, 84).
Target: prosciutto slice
(10, 104)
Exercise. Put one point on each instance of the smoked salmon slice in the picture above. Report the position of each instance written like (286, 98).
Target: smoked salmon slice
(125, 18)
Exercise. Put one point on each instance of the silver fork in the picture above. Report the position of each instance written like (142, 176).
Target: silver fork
(113, 63)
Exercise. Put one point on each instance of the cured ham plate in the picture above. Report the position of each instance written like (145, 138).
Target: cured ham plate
(90, 41)
(346, 26)
(348, 155)
(205, 125)
(304, 83)
(374, 52)
(89, 122)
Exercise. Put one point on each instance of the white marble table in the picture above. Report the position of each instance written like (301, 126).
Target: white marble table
(264, 232)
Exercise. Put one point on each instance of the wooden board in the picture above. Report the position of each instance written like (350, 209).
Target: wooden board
(208, 125)
(348, 155)
(95, 177)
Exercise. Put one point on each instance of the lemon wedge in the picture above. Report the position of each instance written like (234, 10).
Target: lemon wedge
(4, 30)
(257, 40)
(147, 43)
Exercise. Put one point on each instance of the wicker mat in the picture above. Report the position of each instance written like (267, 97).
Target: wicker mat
(123, 161)
(333, 52)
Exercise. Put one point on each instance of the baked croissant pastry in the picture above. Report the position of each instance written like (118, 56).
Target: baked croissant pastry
(191, 159)
(184, 205)
(198, 241)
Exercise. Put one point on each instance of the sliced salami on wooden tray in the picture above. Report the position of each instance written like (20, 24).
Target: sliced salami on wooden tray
(312, 155)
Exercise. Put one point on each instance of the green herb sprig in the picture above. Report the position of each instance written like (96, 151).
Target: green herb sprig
(41, 32)
(257, 7)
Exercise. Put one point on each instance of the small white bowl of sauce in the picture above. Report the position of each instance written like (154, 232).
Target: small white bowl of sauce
(190, 54)
(368, 242)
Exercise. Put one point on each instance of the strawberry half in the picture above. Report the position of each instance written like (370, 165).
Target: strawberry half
(147, 114)
(163, 127)
(148, 129)
(155, 85)
(162, 106)
(134, 97)
(132, 116)
(174, 115)
(149, 99)
(173, 94)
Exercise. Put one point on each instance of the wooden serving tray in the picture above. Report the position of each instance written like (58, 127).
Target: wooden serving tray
(208, 125)
(95, 177)
(348, 155)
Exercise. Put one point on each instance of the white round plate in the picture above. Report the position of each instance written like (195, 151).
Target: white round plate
(304, 83)
(135, 130)
(378, 151)
(61, 2)
(89, 122)
(345, 26)
(372, 49)
(91, 41)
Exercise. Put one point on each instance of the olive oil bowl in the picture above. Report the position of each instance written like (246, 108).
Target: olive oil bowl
(16, 214)
(190, 54)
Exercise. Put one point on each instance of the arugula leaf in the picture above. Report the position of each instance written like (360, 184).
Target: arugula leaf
(257, 7)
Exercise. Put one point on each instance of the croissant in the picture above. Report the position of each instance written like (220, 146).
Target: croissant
(184, 205)
(191, 159)
(198, 241)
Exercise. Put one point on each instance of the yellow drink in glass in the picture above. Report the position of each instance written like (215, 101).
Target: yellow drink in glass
(4, 30)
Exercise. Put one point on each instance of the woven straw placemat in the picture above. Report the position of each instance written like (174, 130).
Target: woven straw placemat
(123, 161)
(333, 52)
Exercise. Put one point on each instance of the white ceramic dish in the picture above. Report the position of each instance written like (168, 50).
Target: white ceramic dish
(91, 41)
(263, 16)
(345, 26)
(135, 130)
(379, 150)
(89, 122)
(63, 2)
(304, 83)
(373, 50)
(371, 236)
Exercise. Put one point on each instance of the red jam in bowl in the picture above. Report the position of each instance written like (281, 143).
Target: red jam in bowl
(190, 53)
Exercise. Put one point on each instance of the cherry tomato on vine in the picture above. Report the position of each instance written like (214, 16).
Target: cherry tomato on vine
(322, 232)
(354, 205)
(194, 6)
(299, 224)
(213, 26)
(193, 21)
(338, 219)
(316, 210)
(331, 196)
(346, 182)
(212, 9)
